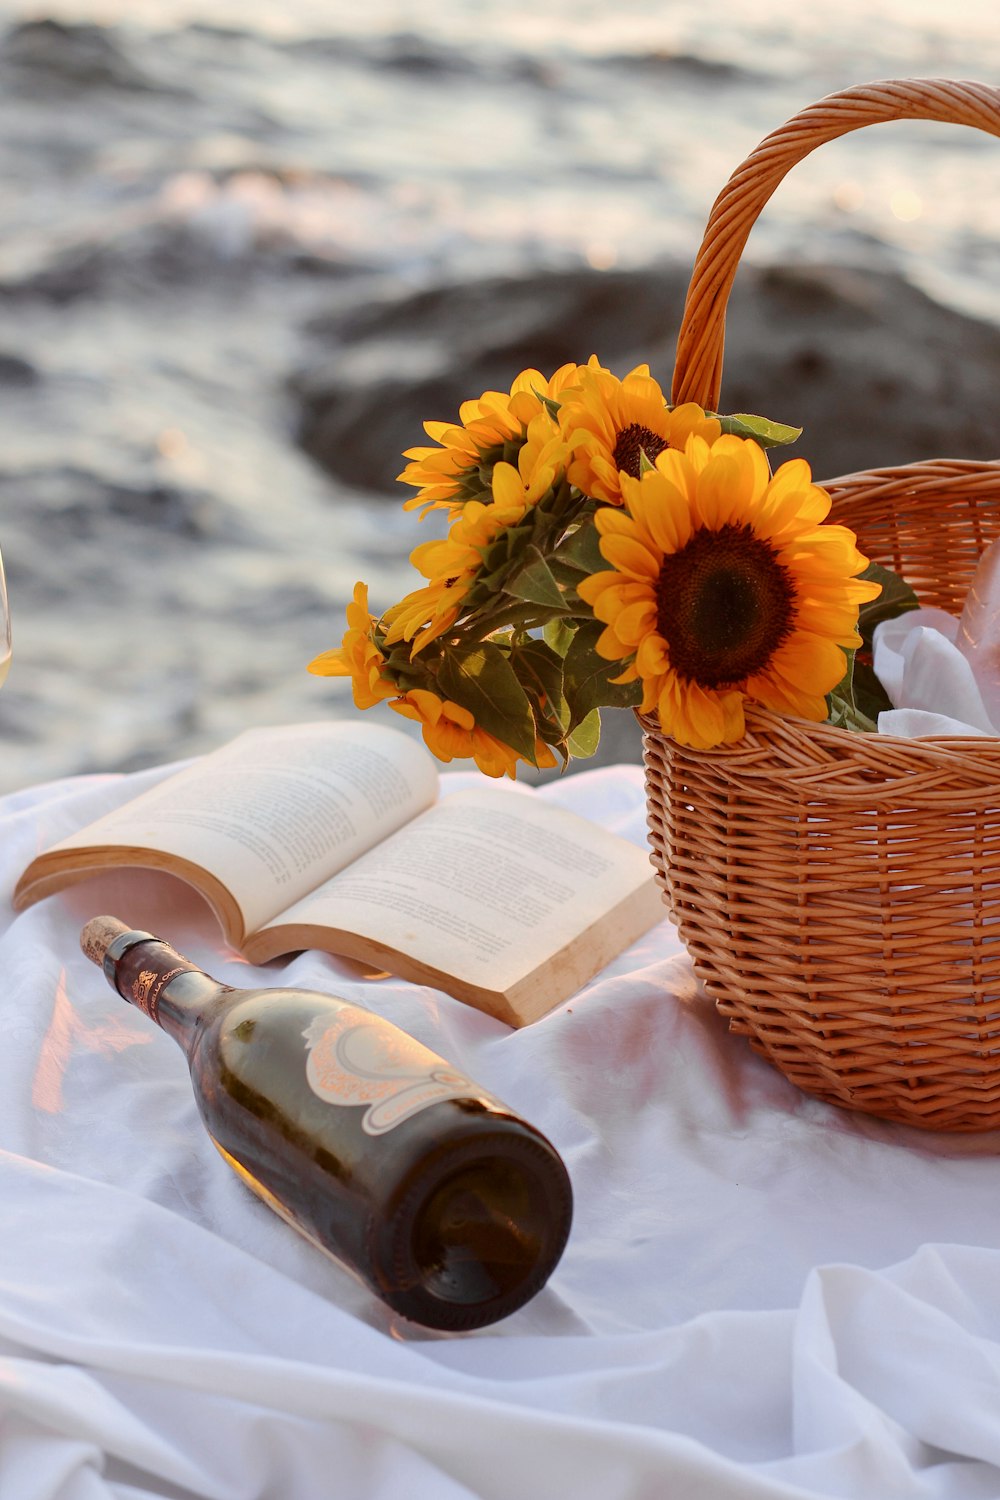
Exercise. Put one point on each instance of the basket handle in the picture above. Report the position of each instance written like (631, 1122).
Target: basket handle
(698, 366)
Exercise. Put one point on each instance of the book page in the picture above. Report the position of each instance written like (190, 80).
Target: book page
(277, 811)
(485, 886)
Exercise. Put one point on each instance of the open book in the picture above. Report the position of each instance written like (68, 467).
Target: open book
(332, 836)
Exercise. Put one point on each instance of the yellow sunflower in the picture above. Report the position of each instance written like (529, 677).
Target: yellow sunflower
(726, 586)
(452, 563)
(358, 657)
(610, 423)
(451, 472)
(451, 733)
(541, 463)
(427, 612)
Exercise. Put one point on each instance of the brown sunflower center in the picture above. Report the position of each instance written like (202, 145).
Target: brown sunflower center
(634, 440)
(724, 605)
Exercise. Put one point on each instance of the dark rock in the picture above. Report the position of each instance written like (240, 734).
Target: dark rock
(15, 371)
(678, 67)
(71, 273)
(392, 365)
(415, 57)
(874, 371)
(56, 55)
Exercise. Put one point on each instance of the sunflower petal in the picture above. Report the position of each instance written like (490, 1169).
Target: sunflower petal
(809, 662)
(652, 657)
(629, 556)
(330, 664)
(610, 645)
(725, 489)
(632, 622)
(782, 698)
(663, 512)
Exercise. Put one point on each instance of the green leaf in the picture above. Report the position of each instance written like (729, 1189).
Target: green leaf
(843, 715)
(534, 582)
(498, 555)
(581, 549)
(587, 677)
(562, 502)
(558, 634)
(895, 599)
(568, 577)
(870, 697)
(539, 670)
(552, 407)
(763, 431)
(481, 679)
(586, 737)
(844, 711)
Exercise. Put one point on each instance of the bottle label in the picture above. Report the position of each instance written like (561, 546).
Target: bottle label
(356, 1059)
(148, 985)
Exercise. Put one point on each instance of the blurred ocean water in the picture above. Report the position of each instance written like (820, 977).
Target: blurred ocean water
(186, 188)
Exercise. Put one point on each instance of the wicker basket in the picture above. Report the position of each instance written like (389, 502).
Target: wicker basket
(839, 893)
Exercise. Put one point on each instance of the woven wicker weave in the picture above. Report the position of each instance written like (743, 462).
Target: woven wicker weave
(839, 893)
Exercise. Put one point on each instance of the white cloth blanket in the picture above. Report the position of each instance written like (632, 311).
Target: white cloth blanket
(762, 1296)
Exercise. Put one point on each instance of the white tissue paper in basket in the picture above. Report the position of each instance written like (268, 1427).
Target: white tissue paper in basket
(942, 674)
(930, 683)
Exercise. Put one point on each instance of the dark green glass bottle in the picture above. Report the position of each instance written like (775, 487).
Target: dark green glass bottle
(452, 1209)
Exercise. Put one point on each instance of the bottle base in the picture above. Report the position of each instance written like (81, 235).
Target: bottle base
(478, 1236)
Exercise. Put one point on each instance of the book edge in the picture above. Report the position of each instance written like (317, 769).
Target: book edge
(56, 870)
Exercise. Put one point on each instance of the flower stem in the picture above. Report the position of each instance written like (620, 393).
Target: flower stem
(477, 628)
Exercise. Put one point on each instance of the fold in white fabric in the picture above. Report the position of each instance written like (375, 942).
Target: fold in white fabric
(763, 1297)
(930, 683)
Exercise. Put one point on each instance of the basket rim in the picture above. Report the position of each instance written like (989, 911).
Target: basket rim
(769, 719)
(956, 772)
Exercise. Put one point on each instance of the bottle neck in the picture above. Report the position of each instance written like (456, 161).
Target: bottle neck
(170, 989)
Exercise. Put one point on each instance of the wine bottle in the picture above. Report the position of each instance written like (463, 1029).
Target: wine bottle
(452, 1209)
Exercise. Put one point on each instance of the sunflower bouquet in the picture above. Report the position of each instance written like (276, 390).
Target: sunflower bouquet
(603, 549)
